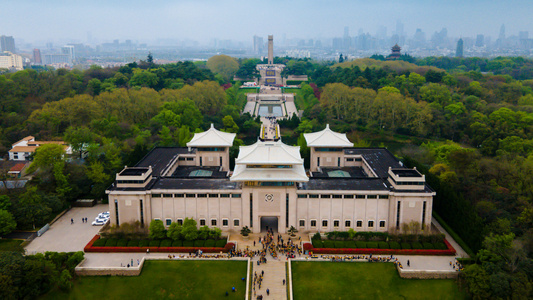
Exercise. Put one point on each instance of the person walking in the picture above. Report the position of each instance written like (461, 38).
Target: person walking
(268, 292)
(283, 281)
(408, 264)
(71, 221)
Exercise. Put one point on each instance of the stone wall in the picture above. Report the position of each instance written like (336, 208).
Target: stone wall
(420, 274)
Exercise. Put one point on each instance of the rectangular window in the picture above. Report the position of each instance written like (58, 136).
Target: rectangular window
(236, 222)
(337, 196)
(302, 223)
(191, 196)
(200, 161)
(347, 223)
(302, 195)
(252, 210)
(167, 195)
(424, 214)
(287, 210)
(359, 223)
(336, 223)
(168, 222)
(349, 159)
(383, 196)
(360, 196)
(325, 196)
(370, 224)
(213, 222)
(398, 216)
(213, 195)
(338, 162)
(202, 222)
(372, 196)
(190, 158)
(202, 195)
(313, 223)
(224, 195)
(348, 196)
(381, 224)
(116, 211)
(235, 195)
(179, 195)
(313, 196)
(142, 211)
(179, 221)
(225, 222)
(318, 161)
(156, 195)
(324, 223)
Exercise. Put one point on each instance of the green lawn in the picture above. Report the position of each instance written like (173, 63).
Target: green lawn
(10, 245)
(326, 280)
(165, 280)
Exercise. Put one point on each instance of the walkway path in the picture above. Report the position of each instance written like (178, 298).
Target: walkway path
(460, 251)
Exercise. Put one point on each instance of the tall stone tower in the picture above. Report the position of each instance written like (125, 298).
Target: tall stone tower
(459, 49)
(270, 49)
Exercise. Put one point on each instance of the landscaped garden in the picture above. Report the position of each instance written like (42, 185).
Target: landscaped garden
(326, 280)
(409, 240)
(10, 245)
(164, 280)
(182, 237)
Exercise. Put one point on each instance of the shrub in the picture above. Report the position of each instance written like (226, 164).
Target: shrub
(157, 230)
(343, 234)
(99, 243)
(199, 243)
(331, 235)
(122, 243)
(318, 244)
(221, 243)
(188, 243)
(165, 243)
(372, 245)
(111, 243)
(133, 243)
(329, 244)
(317, 236)
(339, 244)
(144, 243)
(177, 244)
(416, 245)
(394, 245)
(428, 246)
(383, 245)
(209, 243)
(154, 243)
(406, 246)
(440, 246)
(360, 244)
(349, 244)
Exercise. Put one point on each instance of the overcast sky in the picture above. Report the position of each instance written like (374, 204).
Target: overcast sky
(40, 20)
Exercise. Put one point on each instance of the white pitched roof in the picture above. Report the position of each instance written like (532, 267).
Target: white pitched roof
(212, 138)
(327, 138)
(294, 174)
(269, 153)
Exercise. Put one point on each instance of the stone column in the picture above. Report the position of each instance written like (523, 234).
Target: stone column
(270, 49)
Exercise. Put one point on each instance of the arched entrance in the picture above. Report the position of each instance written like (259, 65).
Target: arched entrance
(271, 222)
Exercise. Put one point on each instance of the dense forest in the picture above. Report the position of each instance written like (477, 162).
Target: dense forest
(467, 123)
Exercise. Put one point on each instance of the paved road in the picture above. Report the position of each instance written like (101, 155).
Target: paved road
(66, 237)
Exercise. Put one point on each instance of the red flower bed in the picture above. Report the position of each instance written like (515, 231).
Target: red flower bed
(449, 251)
(90, 248)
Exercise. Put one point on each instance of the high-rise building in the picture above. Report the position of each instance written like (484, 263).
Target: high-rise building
(11, 61)
(7, 43)
(459, 49)
(37, 57)
(502, 32)
(258, 44)
(70, 51)
(480, 40)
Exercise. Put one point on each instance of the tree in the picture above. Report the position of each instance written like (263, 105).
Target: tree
(31, 209)
(224, 65)
(215, 233)
(175, 231)
(293, 231)
(46, 156)
(245, 231)
(203, 233)
(189, 231)
(341, 59)
(7, 222)
(5, 203)
(230, 125)
(157, 230)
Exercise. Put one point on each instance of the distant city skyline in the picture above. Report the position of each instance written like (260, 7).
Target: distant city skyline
(97, 21)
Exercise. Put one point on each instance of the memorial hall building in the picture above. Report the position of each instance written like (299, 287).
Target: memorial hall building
(367, 189)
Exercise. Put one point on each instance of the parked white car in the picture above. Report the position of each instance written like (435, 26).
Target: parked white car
(103, 215)
(98, 222)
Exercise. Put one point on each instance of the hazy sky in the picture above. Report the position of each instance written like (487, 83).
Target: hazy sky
(203, 20)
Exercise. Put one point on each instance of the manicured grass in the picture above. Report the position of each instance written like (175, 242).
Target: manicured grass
(165, 280)
(326, 280)
(10, 245)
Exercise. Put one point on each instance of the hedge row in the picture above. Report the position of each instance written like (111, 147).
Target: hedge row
(113, 245)
(448, 249)
(376, 245)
